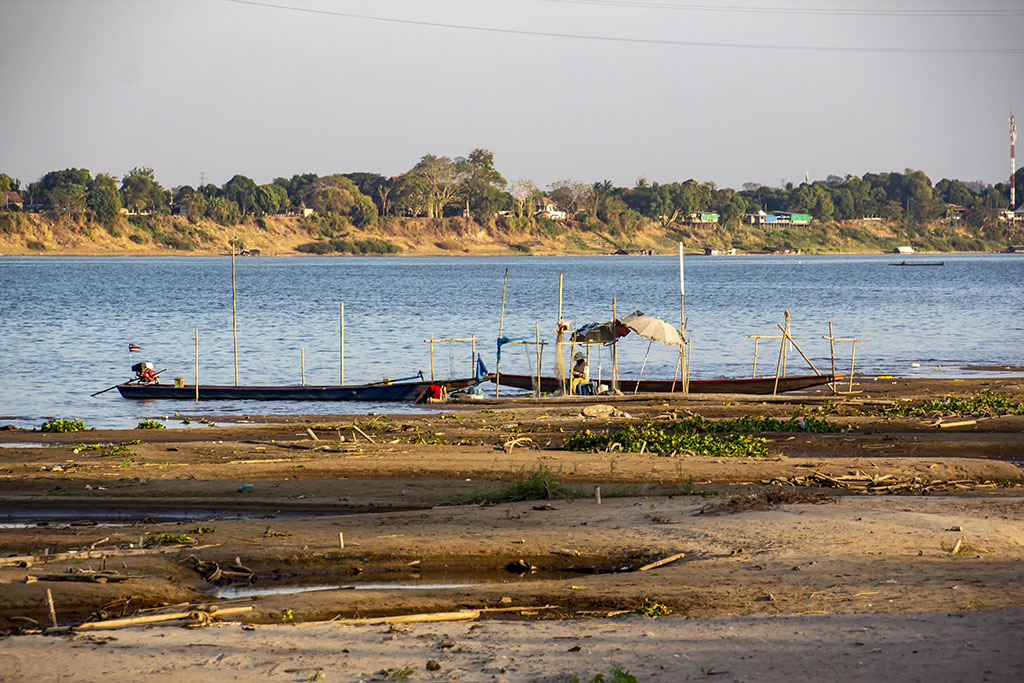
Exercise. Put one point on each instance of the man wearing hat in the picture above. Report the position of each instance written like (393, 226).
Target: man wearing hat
(580, 382)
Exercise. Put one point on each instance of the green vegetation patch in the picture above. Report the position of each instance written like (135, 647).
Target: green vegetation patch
(540, 484)
(671, 438)
(989, 403)
(63, 425)
(347, 246)
(150, 424)
(749, 424)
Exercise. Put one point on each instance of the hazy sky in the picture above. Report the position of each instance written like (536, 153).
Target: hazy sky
(664, 89)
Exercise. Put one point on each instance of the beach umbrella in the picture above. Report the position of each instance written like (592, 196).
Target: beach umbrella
(654, 329)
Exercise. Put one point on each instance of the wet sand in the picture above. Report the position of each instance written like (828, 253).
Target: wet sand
(799, 581)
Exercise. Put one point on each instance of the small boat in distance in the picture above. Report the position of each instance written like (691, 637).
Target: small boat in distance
(757, 385)
(919, 263)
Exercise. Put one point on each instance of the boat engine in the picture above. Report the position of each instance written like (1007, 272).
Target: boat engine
(144, 373)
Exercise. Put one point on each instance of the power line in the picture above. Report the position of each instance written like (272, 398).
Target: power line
(644, 41)
(834, 11)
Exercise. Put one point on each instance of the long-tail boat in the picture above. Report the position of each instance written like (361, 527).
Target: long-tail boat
(386, 390)
(756, 385)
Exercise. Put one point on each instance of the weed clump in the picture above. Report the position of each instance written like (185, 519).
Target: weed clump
(540, 484)
(670, 438)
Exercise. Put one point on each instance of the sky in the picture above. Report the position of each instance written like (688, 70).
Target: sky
(761, 91)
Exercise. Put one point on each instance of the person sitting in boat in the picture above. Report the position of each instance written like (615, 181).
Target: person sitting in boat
(580, 382)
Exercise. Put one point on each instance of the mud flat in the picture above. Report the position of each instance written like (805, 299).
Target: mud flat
(821, 560)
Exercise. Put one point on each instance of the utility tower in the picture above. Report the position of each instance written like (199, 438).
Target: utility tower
(1013, 162)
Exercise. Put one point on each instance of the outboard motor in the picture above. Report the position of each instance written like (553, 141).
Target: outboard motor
(144, 373)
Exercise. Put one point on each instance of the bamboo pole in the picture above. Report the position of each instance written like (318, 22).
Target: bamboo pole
(778, 366)
(675, 373)
(536, 325)
(689, 358)
(615, 354)
(341, 353)
(562, 378)
(501, 328)
(797, 347)
(832, 353)
(853, 352)
(302, 363)
(431, 356)
(642, 366)
(683, 375)
(197, 365)
(234, 312)
(785, 344)
(53, 611)
(753, 374)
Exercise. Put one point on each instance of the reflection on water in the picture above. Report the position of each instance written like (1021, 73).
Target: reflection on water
(67, 322)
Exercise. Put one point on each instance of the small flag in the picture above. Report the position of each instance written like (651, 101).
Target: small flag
(134, 348)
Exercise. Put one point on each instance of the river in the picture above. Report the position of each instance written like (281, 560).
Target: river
(65, 323)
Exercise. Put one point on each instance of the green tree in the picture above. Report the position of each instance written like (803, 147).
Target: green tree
(242, 191)
(102, 198)
(436, 179)
(271, 198)
(66, 190)
(140, 191)
(9, 184)
(481, 184)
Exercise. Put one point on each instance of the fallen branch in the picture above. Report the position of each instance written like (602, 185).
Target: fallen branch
(461, 615)
(199, 616)
(27, 560)
(662, 562)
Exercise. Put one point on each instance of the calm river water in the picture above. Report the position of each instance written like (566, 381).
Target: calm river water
(65, 323)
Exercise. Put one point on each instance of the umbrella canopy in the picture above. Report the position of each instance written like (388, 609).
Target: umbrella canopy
(653, 328)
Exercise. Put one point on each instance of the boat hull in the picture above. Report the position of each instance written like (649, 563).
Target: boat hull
(757, 385)
(394, 391)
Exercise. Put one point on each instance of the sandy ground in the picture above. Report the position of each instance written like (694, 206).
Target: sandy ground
(773, 584)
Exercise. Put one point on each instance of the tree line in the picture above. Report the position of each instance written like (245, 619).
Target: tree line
(439, 187)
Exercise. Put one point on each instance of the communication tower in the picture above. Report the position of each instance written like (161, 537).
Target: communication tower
(1013, 162)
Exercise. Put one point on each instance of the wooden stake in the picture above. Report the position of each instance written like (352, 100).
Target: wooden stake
(197, 365)
(778, 366)
(615, 354)
(853, 352)
(644, 364)
(597, 494)
(501, 328)
(472, 358)
(795, 346)
(53, 612)
(431, 356)
(785, 344)
(689, 359)
(341, 353)
(341, 540)
(832, 354)
(234, 314)
(563, 377)
(536, 325)
(302, 363)
(684, 375)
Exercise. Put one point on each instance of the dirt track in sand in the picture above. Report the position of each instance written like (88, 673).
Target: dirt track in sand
(388, 491)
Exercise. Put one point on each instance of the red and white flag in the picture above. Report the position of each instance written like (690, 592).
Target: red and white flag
(134, 348)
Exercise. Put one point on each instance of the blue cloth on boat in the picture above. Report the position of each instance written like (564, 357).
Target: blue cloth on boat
(505, 340)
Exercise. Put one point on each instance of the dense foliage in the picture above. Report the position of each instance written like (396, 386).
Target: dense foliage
(471, 187)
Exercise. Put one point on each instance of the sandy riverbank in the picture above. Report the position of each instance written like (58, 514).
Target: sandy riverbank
(824, 563)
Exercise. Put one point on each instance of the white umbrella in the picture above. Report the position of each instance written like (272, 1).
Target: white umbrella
(655, 329)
